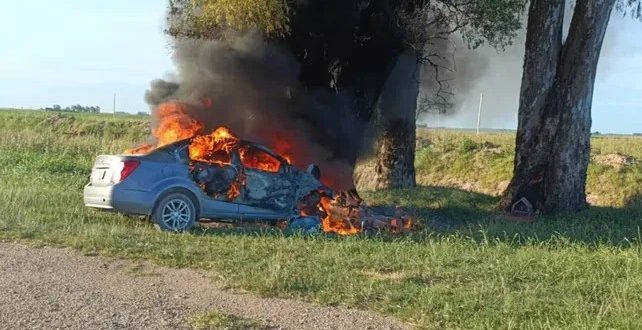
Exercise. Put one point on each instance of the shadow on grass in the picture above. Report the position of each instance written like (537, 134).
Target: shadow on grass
(447, 211)
(442, 212)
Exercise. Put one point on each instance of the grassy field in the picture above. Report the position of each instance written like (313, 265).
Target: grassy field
(464, 268)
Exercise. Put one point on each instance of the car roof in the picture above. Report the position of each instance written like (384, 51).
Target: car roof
(185, 142)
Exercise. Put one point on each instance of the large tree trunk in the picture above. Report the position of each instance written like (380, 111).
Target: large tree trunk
(352, 49)
(396, 125)
(553, 138)
(543, 47)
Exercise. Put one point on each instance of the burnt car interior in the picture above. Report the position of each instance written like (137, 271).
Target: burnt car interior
(246, 173)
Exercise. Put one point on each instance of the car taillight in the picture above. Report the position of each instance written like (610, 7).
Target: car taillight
(125, 168)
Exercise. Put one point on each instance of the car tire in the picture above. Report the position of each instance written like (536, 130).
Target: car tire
(175, 212)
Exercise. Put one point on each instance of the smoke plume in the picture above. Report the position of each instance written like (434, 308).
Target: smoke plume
(252, 88)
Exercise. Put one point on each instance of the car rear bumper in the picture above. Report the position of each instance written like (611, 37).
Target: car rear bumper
(98, 197)
(117, 198)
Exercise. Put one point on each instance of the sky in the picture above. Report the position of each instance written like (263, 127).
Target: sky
(83, 51)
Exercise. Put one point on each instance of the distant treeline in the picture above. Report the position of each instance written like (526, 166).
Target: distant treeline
(73, 108)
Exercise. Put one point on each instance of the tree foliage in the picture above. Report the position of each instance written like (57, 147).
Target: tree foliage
(492, 21)
(209, 18)
(478, 21)
(73, 108)
(632, 8)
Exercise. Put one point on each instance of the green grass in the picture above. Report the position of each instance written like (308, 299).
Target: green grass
(464, 268)
(222, 321)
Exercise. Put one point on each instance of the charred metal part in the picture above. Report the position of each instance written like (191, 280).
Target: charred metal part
(307, 224)
(354, 212)
(269, 190)
(309, 205)
(279, 188)
(314, 170)
(305, 184)
(215, 179)
(349, 198)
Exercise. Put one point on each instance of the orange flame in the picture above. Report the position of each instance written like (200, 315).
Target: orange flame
(283, 147)
(346, 215)
(342, 221)
(259, 160)
(175, 123)
(213, 148)
(235, 187)
(140, 150)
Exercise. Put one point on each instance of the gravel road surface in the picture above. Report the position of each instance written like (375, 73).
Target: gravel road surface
(54, 288)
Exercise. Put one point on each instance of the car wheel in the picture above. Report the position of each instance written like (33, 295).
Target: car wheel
(174, 212)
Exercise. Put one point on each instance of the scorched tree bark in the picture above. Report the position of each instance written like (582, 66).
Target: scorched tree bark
(396, 113)
(553, 135)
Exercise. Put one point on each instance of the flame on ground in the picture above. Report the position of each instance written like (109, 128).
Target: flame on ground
(338, 220)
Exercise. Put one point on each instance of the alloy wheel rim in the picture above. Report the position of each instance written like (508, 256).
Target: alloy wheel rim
(176, 214)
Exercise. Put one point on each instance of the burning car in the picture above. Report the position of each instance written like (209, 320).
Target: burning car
(189, 175)
(208, 176)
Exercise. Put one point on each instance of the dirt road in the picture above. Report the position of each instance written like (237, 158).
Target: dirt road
(49, 288)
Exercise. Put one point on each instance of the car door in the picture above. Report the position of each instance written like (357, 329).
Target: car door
(210, 207)
(267, 184)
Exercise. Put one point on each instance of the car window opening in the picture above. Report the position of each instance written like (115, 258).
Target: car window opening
(256, 159)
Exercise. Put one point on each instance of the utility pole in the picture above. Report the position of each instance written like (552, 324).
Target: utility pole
(481, 101)
(114, 108)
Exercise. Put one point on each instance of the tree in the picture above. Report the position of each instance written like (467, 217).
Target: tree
(553, 135)
(209, 18)
(74, 108)
(351, 48)
(363, 48)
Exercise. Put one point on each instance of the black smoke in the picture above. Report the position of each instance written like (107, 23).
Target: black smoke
(253, 88)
